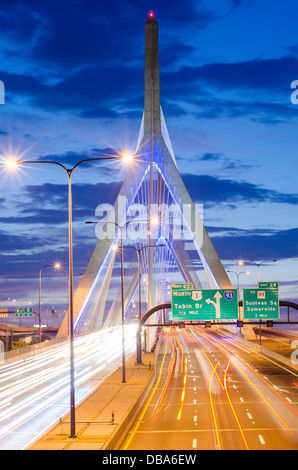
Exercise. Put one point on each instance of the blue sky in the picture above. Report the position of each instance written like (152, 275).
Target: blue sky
(74, 77)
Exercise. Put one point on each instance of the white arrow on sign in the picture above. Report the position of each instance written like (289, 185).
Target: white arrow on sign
(216, 304)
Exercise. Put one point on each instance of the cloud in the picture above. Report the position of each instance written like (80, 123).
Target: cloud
(207, 189)
(257, 74)
(46, 204)
(74, 64)
(12, 243)
(274, 244)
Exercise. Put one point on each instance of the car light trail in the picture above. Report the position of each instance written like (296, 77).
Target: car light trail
(183, 390)
(253, 370)
(233, 358)
(232, 407)
(262, 396)
(29, 386)
(225, 388)
(139, 420)
(164, 390)
(213, 410)
(215, 371)
(181, 352)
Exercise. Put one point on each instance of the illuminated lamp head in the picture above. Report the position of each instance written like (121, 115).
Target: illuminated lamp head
(151, 14)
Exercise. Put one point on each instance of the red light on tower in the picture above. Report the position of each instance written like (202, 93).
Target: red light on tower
(151, 14)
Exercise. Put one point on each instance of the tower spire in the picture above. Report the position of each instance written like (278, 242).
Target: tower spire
(152, 85)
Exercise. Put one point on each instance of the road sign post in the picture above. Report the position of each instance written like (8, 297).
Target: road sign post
(28, 312)
(19, 312)
(261, 303)
(205, 304)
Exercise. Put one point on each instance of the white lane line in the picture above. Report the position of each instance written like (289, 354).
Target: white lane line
(261, 439)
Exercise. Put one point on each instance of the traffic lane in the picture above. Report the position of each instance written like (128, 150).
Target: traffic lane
(158, 426)
(38, 400)
(229, 433)
(283, 379)
(281, 375)
(266, 408)
(234, 424)
(195, 428)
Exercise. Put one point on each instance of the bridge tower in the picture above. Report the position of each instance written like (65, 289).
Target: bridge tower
(153, 187)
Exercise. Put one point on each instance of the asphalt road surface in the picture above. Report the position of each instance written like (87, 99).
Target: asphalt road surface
(213, 393)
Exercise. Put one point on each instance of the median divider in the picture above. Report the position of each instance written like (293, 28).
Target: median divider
(106, 415)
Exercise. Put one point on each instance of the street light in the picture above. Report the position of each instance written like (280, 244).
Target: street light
(241, 263)
(12, 164)
(56, 266)
(138, 250)
(238, 276)
(121, 227)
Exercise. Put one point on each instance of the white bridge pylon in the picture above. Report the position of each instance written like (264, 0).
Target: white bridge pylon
(153, 186)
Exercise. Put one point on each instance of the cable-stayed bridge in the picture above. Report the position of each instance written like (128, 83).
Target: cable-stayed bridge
(159, 233)
(153, 208)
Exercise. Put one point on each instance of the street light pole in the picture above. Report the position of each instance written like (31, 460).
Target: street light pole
(238, 276)
(121, 227)
(241, 263)
(138, 250)
(69, 172)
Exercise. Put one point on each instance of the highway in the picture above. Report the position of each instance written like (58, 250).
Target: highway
(34, 392)
(212, 393)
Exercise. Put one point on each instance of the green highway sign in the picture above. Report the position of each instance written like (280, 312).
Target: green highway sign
(181, 286)
(205, 304)
(268, 285)
(28, 312)
(261, 303)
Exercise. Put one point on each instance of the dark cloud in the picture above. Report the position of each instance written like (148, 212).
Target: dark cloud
(12, 243)
(258, 74)
(252, 246)
(211, 156)
(47, 203)
(207, 189)
(85, 196)
(75, 63)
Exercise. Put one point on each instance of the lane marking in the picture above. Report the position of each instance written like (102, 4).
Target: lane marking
(261, 439)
